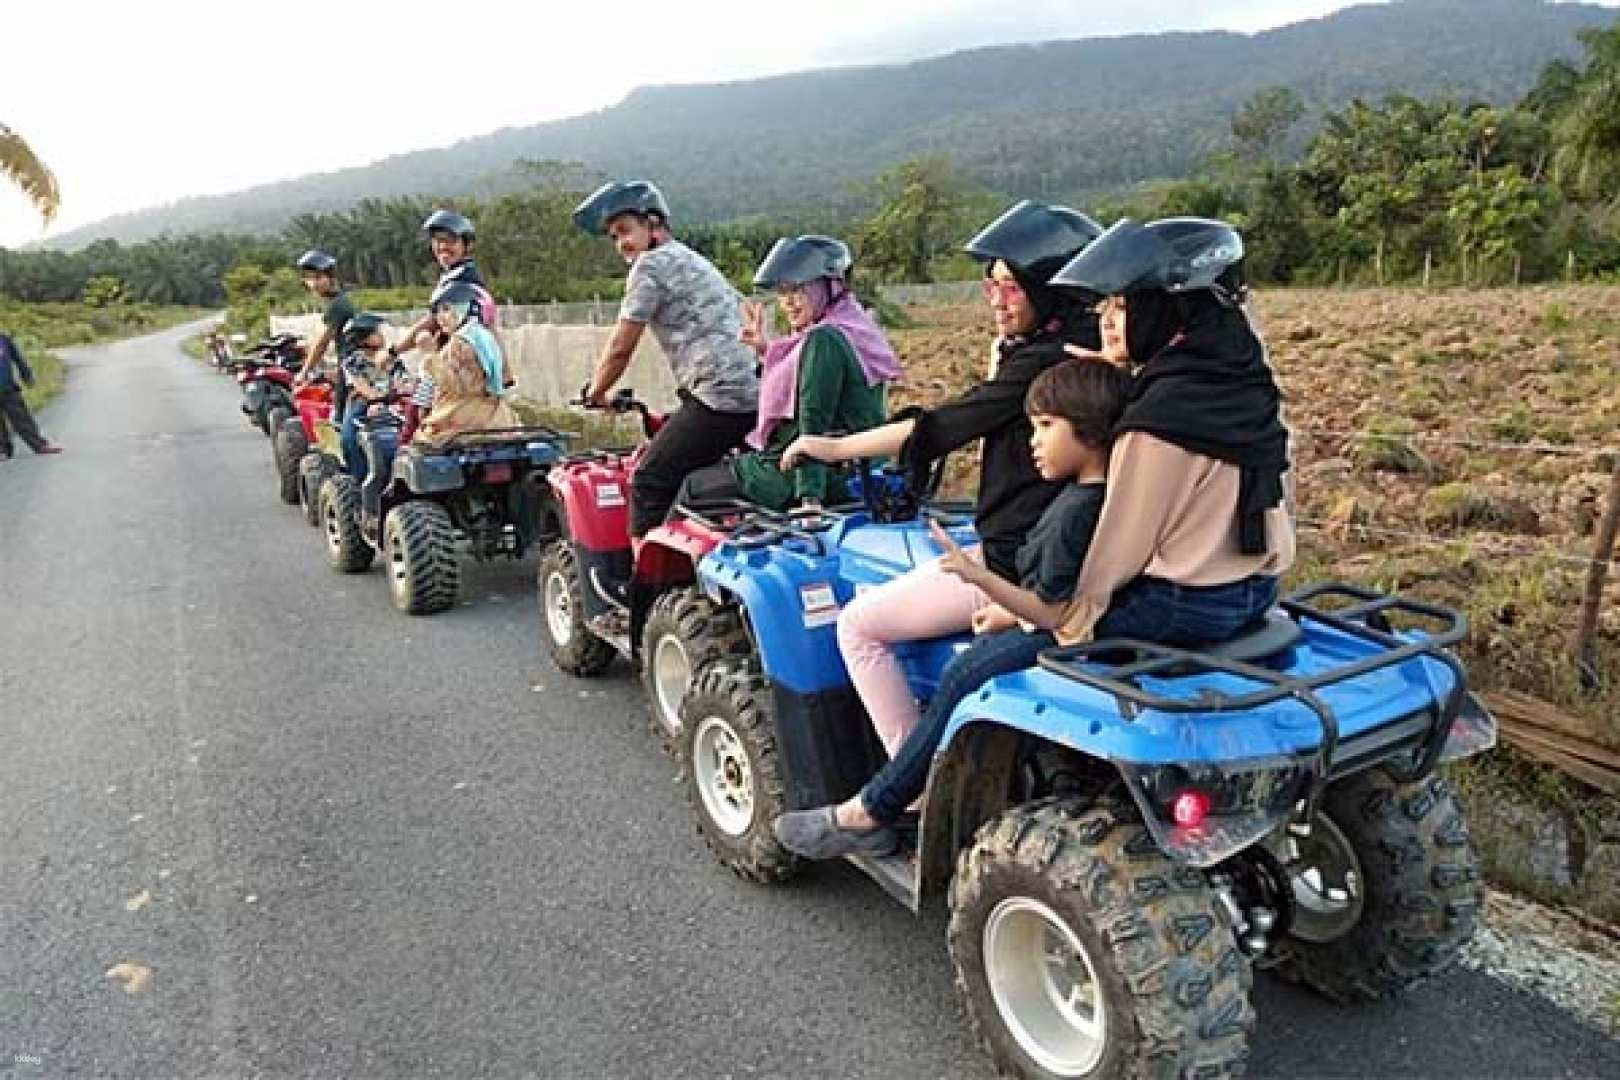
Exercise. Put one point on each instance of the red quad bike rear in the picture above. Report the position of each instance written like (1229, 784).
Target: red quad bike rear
(266, 378)
(602, 595)
(294, 439)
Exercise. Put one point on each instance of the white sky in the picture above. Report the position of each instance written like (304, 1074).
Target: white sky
(134, 105)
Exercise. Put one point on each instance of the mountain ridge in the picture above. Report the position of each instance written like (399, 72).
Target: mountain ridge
(1066, 118)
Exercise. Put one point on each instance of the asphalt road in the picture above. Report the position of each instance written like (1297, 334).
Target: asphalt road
(346, 843)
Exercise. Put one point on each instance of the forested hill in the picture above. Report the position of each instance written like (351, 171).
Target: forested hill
(1065, 119)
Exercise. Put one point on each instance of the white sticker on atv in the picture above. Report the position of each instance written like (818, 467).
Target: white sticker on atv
(820, 605)
(608, 495)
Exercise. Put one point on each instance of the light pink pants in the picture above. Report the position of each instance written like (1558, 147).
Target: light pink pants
(926, 603)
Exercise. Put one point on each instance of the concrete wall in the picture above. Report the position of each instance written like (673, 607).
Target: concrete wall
(550, 363)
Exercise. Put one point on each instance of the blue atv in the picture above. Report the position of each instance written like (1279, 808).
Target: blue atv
(1126, 831)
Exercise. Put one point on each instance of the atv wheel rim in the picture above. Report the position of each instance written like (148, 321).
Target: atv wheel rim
(559, 608)
(672, 674)
(1045, 987)
(334, 530)
(399, 579)
(725, 781)
(1325, 877)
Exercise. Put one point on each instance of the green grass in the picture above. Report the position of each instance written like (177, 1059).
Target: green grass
(40, 328)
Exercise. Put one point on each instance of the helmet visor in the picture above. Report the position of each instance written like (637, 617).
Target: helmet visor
(1128, 256)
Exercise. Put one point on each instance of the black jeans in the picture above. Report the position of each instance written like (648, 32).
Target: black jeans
(693, 436)
(14, 414)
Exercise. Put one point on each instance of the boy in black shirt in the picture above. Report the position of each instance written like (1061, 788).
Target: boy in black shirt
(1073, 407)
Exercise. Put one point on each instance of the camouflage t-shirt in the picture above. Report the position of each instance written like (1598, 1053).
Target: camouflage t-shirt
(693, 313)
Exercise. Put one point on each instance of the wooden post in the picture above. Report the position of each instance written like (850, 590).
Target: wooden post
(1341, 273)
(1602, 552)
(1428, 266)
(1378, 262)
(1569, 267)
(1518, 269)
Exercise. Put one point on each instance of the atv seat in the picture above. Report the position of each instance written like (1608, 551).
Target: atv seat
(1274, 634)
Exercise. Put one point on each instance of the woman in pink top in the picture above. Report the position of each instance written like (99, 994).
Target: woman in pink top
(1196, 527)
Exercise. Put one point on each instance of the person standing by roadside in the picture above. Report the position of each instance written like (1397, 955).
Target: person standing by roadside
(14, 375)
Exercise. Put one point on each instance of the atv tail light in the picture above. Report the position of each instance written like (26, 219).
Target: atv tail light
(497, 474)
(1189, 808)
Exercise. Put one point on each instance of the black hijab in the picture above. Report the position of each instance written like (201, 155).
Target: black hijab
(1206, 388)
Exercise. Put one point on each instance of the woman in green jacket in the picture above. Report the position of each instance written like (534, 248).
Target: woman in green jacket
(828, 375)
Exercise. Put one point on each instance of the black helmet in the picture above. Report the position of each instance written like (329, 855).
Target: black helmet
(315, 261)
(359, 327)
(614, 198)
(1034, 237)
(794, 260)
(451, 222)
(457, 294)
(1175, 254)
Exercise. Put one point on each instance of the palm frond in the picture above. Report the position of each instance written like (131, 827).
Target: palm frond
(19, 164)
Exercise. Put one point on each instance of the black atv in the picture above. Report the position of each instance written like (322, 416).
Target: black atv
(482, 488)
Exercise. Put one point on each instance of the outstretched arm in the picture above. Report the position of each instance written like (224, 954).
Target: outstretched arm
(614, 359)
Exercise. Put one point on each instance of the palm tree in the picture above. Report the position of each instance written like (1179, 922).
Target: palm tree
(18, 164)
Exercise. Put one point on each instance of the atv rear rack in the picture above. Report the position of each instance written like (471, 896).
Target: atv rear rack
(1094, 664)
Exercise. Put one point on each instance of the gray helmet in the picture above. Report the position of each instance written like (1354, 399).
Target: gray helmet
(458, 295)
(359, 327)
(315, 261)
(1034, 237)
(794, 260)
(614, 198)
(1175, 254)
(451, 222)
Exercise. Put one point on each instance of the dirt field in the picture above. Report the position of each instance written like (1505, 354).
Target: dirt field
(1472, 420)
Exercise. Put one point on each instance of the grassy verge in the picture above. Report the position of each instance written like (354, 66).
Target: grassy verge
(40, 328)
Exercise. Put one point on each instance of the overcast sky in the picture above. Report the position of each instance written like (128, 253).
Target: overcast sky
(135, 105)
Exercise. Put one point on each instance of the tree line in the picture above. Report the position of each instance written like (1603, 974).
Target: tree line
(1387, 191)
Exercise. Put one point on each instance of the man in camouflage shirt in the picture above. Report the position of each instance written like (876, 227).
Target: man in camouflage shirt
(694, 314)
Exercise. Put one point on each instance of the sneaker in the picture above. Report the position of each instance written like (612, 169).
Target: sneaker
(816, 834)
(49, 448)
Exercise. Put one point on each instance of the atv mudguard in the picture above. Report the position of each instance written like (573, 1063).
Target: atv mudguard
(792, 590)
(428, 474)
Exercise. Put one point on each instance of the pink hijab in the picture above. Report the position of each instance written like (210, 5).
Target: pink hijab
(779, 382)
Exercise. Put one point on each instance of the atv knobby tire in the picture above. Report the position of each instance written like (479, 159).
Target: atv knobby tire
(313, 469)
(1165, 974)
(419, 546)
(731, 772)
(346, 547)
(573, 648)
(685, 632)
(289, 448)
(274, 417)
(1421, 889)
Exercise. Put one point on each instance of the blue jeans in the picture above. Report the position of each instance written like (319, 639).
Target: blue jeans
(1152, 609)
(349, 436)
(897, 784)
(382, 443)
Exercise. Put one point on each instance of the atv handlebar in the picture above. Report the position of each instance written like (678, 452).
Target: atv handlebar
(625, 401)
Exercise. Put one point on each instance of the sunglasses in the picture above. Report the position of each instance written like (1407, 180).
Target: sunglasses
(1001, 289)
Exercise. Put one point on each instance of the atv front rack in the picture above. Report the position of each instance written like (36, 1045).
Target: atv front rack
(1096, 664)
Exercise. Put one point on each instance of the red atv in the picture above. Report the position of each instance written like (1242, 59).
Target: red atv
(266, 376)
(602, 595)
(298, 438)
